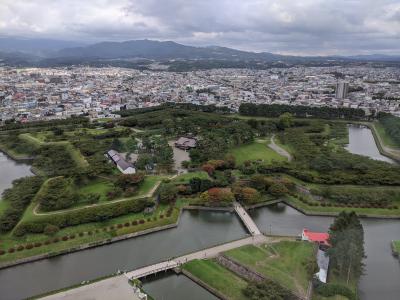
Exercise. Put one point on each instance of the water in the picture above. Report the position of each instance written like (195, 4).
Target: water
(10, 170)
(382, 278)
(197, 230)
(174, 287)
(362, 142)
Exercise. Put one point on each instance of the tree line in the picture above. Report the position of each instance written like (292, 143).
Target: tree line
(275, 110)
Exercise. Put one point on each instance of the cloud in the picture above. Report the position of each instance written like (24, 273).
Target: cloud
(284, 26)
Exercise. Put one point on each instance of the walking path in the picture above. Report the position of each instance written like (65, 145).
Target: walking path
(202, 254)
(279, 149)
(246, 219)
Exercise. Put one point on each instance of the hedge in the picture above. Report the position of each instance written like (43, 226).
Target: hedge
(86, 215)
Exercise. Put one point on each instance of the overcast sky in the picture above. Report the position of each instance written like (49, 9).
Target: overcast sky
(280, 26)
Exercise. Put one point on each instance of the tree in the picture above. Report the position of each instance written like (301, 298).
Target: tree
(125, 181)
(285, 120)
(116, 144)
(247, 195)
(57, 193)
(208, 168)
(277, 189)
(220, 195)
(347, 246)
(167, 193)
(50, 229)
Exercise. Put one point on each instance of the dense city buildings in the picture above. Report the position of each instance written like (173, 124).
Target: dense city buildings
(50, 93)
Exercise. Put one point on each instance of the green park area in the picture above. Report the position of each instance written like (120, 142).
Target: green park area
(256, 151)
(78, 196)
(285, 262)
(285, 265)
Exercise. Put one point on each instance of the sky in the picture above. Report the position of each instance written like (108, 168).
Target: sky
(299, 27)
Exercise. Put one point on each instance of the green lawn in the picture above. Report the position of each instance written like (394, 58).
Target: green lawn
(257, 150)
(283, 262)
(99, 186)
(218, 278)
(185, 178)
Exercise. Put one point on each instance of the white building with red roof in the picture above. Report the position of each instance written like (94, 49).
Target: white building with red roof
(315, 237)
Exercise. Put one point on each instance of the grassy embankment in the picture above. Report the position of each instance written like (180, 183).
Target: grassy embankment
(257, 150)
(218, 278)
(283, 262)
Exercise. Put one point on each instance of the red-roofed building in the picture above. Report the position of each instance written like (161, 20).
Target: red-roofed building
(315, 237)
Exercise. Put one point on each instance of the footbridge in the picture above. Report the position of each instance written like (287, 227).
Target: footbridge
(202, 254)
(246, 219)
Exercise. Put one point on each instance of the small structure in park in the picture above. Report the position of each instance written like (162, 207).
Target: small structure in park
(321, 238)
(186, 143)
(122, 165)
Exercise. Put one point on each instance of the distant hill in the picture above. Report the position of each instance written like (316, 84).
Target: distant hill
(41, 47)
(132, 54)
(158, 50)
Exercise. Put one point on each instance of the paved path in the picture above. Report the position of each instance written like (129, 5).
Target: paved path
(246, 219)
(202, 254)
(112, 288)
(279, 149)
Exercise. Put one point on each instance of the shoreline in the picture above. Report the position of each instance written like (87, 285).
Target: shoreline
(378, 141)
(174, 225)
(90, 245)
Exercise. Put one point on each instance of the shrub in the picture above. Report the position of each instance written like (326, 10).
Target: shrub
(38, 244)
(278, 189)
(29, 246)
(56, 240)
(2, 252)
(161, 216)
(134, 223)
(141, 221)
(72, 236)
(50, 229)
(20, 248)
(11, 250)
(47, 242)
(120, 225)
(81, 233)
(89, 232)
(65, 238)
(127, 224)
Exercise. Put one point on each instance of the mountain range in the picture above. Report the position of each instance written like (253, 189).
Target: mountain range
(45, 52)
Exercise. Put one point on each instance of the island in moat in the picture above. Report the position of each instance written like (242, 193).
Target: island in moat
(102, 181)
